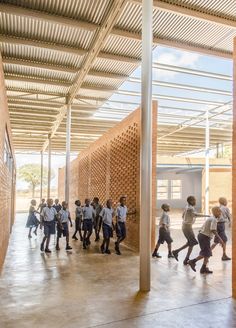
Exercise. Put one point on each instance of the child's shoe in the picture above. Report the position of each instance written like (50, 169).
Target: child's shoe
(47, 250)
(175, 254)
(107, 251)
(68, 247)
(102, 249)
(74, 237)
(225, 258)
(185, 262)
(192, 265)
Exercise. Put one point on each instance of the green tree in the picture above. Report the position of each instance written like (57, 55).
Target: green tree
(31, 173)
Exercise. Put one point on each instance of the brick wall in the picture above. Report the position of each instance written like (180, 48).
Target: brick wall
(7, 175)
(110, 167)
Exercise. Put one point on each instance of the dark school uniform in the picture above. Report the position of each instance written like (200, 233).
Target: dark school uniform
(32, 220)
(106, 216)
(164, 232)
(57, 207)
(189, 217)
(63, 229)
(49, 215)
(121, 213)
(78, 217)
(88, 215)
(205, 235)
(225, 217)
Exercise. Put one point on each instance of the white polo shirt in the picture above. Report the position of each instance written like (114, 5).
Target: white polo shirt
(209, 226)
(164, 219)
(48, 214)
(121, 213)
(88, 212)
(107, 215)
(64, 215)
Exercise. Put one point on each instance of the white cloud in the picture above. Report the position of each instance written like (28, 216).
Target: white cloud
(176, 58)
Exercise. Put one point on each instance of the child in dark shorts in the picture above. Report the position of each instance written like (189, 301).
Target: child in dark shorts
(208, 230)
(88, 219)
(189, 217)
(225, 217)
(164, 232)
(62, 226)
(78, 220)
(106, 216)
(97, 219)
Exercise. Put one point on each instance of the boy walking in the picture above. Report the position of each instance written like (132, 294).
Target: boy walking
(189, 217)
(121, 214)
(208, 230)
(225, 217)
(106, 217)
(97, 220)
(78, 220)
(88, 217)
(48, 217)
(62, 226)
(164, 232)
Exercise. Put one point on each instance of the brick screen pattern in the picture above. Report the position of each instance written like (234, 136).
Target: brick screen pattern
(110, 168)
(7, 176)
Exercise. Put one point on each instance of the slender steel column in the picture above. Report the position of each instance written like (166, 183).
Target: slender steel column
(207, 162)
(67, 172)
(41, 177)
(146, 149)
(49, 166)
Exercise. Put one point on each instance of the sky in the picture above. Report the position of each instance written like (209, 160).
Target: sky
(165, 56)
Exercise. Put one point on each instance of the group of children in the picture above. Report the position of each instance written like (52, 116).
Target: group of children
(213, 226)
(91, 216)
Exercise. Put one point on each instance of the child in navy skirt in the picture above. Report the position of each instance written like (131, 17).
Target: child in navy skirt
(32, 221)
(208, 230)
(164, 232)
(225, 217)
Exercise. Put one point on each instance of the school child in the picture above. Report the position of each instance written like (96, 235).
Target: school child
(78, 220)
(189, 217)
(97, 221)
(32, 221)
(121, 214)
(106, 217)
(41, 205)
(62, 225)
(88, 218)
(48, 219)
(164, 232)
(225, 217)
(57, 205)
(208, 230)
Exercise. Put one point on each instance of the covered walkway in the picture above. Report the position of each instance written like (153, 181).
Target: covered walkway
(93, 290)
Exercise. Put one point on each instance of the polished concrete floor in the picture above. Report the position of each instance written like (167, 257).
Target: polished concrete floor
(88, 289)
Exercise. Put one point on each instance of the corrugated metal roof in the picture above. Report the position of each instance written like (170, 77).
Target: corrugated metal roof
(222, 8)
(88, 10)
(63, 34)
(38, 54)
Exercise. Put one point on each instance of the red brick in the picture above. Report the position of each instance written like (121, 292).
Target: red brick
(110, 167)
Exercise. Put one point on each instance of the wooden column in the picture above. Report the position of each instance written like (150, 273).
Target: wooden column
(234, 177)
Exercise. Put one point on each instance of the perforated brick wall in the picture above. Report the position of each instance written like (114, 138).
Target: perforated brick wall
(7, 175)
(110, 167)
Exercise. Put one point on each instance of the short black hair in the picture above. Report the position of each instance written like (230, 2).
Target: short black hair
(121, 198)
(96, 199)
(190, 199)
(165, 207)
